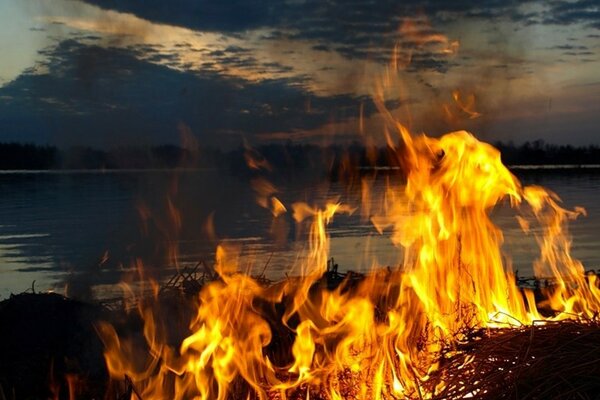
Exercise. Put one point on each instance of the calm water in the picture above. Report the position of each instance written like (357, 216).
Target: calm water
(82, 230)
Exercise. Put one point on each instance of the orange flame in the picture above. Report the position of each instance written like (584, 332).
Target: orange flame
(379, 338)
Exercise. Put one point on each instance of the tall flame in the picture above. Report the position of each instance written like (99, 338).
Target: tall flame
(379, 338)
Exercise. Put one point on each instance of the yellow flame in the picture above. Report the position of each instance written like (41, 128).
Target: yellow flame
(379, 338)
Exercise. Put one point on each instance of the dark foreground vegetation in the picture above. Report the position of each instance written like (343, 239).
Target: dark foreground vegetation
(16, 156)
(51, 348)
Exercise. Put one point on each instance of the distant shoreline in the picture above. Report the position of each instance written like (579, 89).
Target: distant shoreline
(553, 166)
(383, 168)
(101, 170)
(287, 158)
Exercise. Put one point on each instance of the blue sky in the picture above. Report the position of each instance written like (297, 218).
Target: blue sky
(120, 72)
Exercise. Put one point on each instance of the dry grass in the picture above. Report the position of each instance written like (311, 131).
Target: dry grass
(544, 361)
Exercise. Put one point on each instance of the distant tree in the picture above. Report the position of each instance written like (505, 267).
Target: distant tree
(27, 156)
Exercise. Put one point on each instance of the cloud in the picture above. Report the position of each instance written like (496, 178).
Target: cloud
(568, 47)
(365, 29)
(87, 94)
(219, 16)
(294, 39)
(136, 69)
(578, 53)
(345, 22)
(321, 43)
(251, 58)
(563, 12)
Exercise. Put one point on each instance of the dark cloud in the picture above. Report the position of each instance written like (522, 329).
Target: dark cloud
(321, 47)
(234, 56)
(564, 12)
(237, 50)
(578, 53)
(356, 28)
(215, 15)
(93, 95)
(86, 94)
(347, 21)
(276, 67)
(568, 47)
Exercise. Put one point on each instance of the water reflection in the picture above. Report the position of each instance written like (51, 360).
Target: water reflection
(57, 228)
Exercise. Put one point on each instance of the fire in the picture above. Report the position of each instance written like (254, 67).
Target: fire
(453, 256)
(379, 338)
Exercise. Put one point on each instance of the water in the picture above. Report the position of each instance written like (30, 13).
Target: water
(80, 232)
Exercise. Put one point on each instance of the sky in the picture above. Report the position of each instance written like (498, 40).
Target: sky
(107, 73)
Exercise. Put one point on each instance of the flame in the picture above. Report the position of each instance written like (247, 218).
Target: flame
(379, 338)
(464, 105)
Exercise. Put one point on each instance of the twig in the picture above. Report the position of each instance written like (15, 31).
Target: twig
(262, 274)
(129, 382)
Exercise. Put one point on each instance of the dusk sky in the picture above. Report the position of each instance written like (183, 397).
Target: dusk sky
(117, 72)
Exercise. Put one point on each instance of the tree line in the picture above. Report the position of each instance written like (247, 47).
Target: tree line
(277, 156)
(540, 153)
(18, 156)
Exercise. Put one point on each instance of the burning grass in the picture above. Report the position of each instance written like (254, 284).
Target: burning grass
(542, 361)
(547, 359)
(451, 322)
(47, 332)
(435, 328)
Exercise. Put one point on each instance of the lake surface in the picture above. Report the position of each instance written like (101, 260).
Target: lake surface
(80, 232)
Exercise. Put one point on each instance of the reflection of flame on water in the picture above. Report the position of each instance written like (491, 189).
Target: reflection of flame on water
(379, 338)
